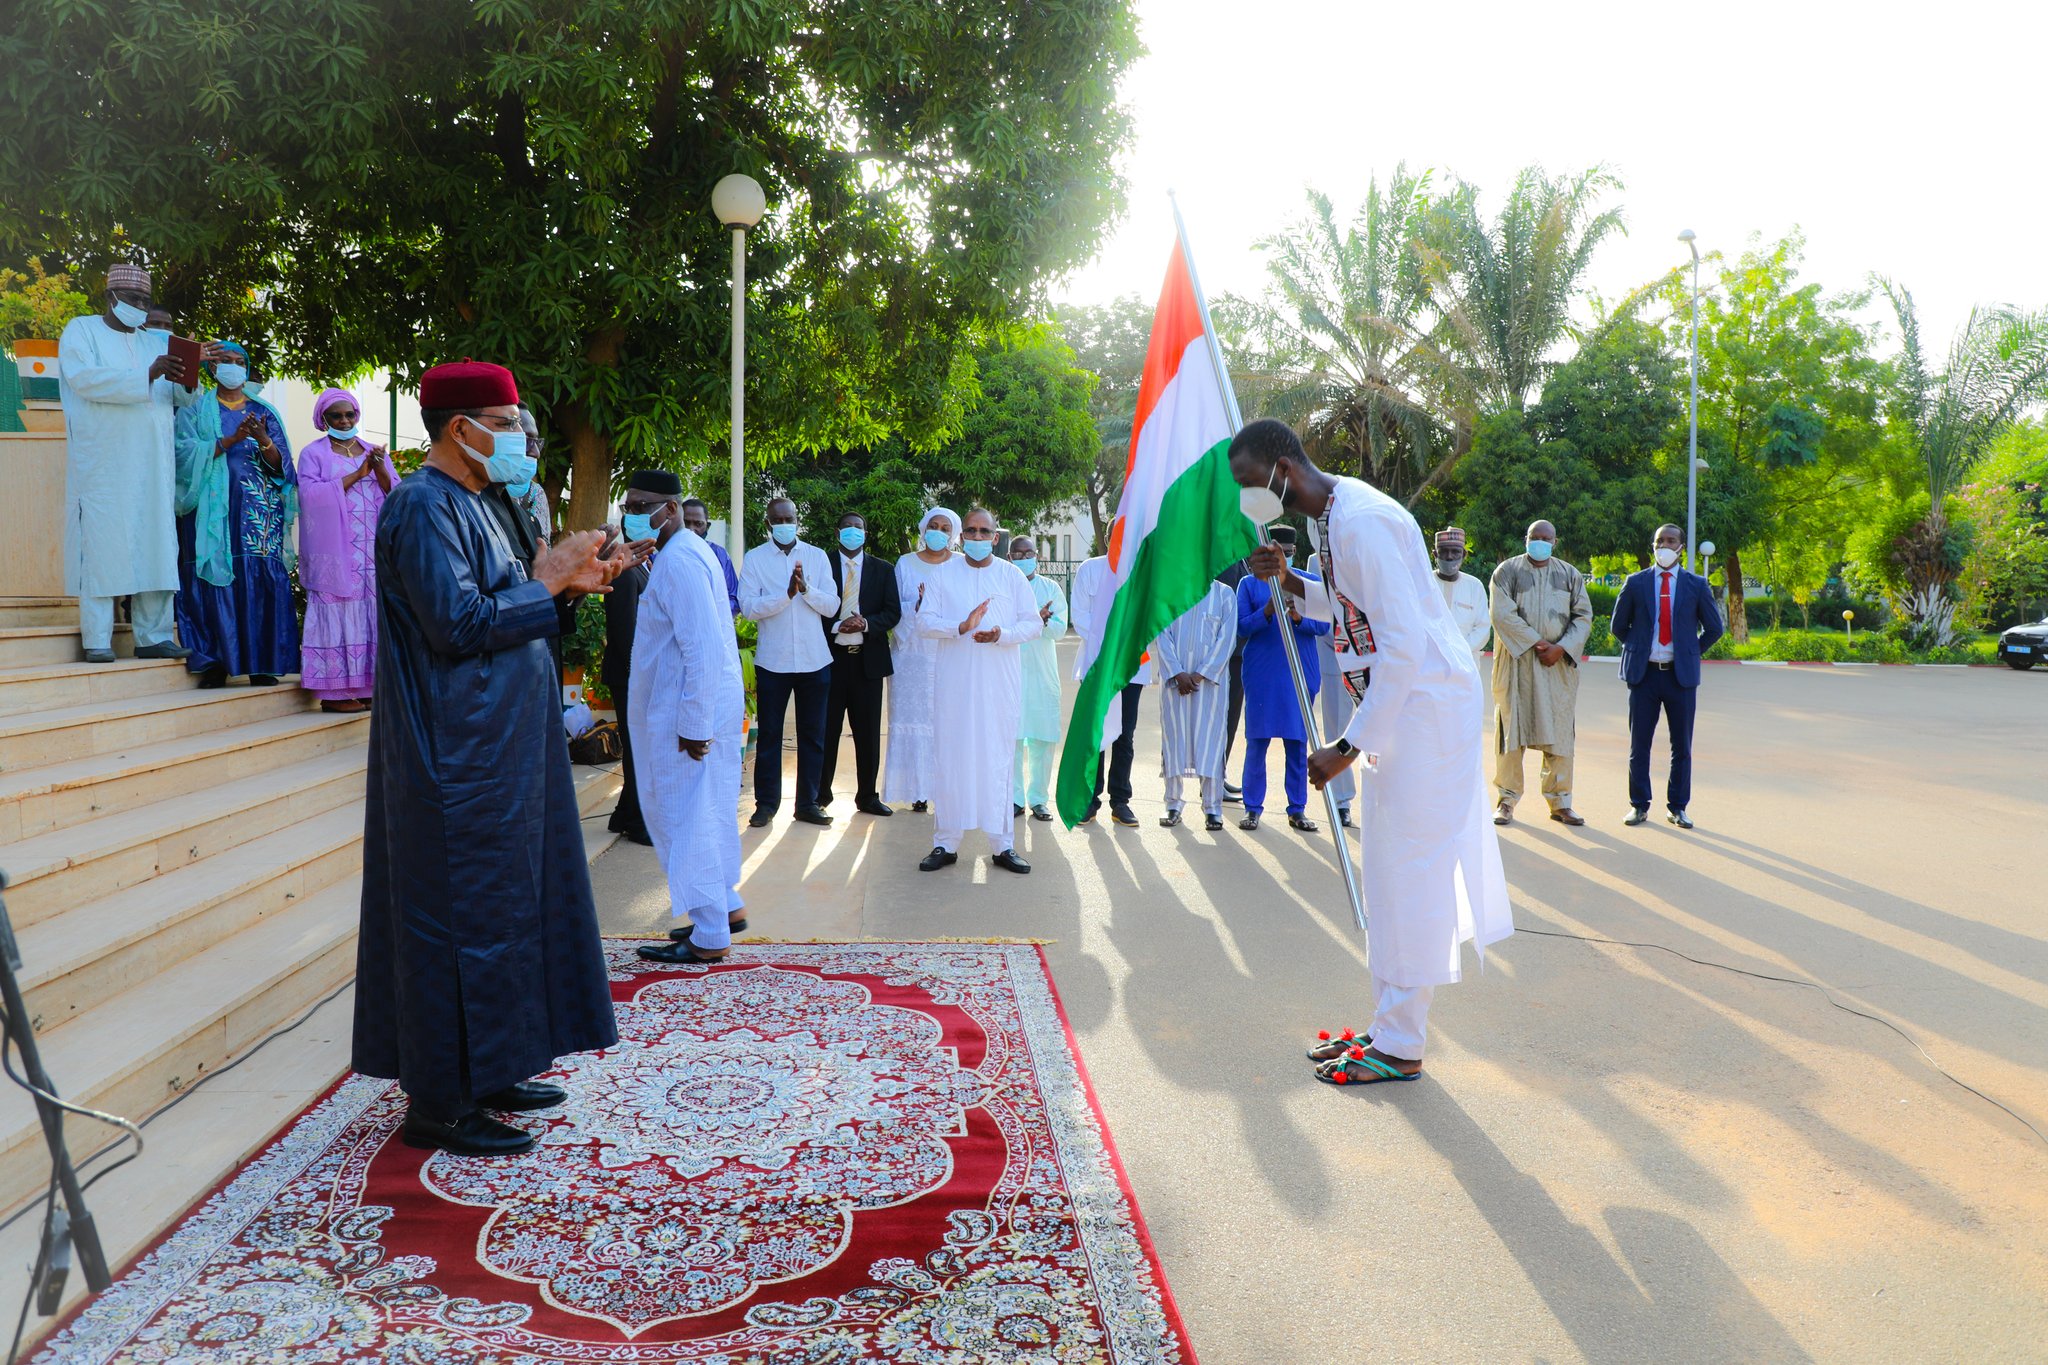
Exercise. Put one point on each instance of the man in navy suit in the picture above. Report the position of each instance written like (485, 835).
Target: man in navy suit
(1664, 620)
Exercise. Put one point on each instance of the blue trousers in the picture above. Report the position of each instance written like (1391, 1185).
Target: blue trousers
(773, 691)
(1659, 693)
(1255, 775)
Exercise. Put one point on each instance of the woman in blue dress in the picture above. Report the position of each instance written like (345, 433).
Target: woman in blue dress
(237, 500)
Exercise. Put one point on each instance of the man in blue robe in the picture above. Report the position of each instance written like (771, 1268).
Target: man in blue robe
(479, 962)
(1271, 709)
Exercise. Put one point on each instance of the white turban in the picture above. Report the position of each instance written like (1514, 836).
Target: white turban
(948, 514)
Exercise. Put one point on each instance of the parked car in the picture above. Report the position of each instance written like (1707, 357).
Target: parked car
(2024, 646)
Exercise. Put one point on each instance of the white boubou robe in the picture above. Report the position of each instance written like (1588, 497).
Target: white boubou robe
(1090, 601)
(1432, 872)
(687, 685)
(1040, 716)
(1199, 642)
(120, 471)
(978, 692)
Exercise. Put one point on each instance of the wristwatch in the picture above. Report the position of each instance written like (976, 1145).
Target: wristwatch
(1343, 746)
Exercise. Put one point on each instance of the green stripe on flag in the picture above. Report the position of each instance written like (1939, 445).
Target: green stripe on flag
(1199, 531)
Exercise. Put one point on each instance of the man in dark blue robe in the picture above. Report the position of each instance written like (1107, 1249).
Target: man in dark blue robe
(480, 961)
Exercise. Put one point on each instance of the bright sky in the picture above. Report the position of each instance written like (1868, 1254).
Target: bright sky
(1904, 140)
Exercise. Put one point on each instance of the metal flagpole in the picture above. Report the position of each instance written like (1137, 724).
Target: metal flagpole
(1309, 728)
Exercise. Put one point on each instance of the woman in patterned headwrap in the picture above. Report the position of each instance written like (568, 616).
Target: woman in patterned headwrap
(237, 498)
(342, 482)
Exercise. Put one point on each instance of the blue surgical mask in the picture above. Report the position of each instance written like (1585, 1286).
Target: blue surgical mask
(1539, 550)
(229, 375)
(637, 525)
(936, 540)
(784, 533)
(852, 538)
(1027, 567)
(519, 490)
(978, 550)
(342, 433)
(130, 315)
(508, 462)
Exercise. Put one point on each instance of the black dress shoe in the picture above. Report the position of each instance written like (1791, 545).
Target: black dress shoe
(1680, 819)
(873, 806)
(1088, 816)
(1015, 810)
(937, 859)
(1040, 813)
(99, 656)
(920, 806)
(1010, 862)
(1636, 816)
(1124, 815)
(262, 680)
(214, 677)
(523, 1096)
(1232, 794)
(1212, 822)
(165, 649)
(474, 1134)
(812, 815)
(1249, 822)
(760, 819)
(1169, 820)
(636, 836)
(678, 952)
(1344, 816)
(1302, 823)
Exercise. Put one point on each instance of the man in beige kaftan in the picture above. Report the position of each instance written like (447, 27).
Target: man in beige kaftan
(1541, 618)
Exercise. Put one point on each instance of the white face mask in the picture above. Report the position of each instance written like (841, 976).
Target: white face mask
(1666, 557)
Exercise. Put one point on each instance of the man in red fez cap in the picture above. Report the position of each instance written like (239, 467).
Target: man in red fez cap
(479, 962)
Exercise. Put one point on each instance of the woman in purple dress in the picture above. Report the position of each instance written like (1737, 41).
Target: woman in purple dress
(237, 497)
(342, 483)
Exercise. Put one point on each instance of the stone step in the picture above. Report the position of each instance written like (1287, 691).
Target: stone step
(135, 1052)
(93, 952)
(36, 800)
(76, 865)
(49, 687)
(23, 645)
(39, 611)
(103, 727)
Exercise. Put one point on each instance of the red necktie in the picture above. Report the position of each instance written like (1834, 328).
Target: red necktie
(1664, 607)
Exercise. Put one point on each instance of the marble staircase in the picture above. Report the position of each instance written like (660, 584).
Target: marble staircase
(183, 877)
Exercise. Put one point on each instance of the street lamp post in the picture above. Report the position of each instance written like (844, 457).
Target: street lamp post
(1692, 450)
(739, 203)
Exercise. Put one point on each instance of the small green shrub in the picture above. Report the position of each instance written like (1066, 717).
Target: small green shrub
(1602, 640)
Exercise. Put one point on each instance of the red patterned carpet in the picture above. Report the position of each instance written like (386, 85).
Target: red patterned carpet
(812, 1153)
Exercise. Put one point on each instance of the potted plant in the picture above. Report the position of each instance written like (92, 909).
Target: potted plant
(583, 651)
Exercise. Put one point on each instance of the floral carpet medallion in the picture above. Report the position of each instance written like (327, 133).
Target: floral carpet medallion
(812, 1154)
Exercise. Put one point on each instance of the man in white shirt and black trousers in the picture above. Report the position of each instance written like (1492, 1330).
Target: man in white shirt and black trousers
(1664, 620)
(786, 590)
(869, 608)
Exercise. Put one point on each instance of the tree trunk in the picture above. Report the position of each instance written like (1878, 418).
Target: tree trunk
(1738, 617)
(590, 469)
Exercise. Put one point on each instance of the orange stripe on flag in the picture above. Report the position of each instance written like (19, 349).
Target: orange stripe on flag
(1176, 324)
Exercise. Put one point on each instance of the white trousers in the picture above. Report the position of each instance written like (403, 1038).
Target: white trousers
(711, 925)
(149, 613)
(1400, 1020)
(1212, 793)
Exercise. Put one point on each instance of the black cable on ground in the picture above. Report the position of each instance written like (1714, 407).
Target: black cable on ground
(1826, 995)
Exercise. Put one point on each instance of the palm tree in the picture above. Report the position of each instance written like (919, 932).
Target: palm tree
(1997, 368)
(1347, 339)
(1506, 288)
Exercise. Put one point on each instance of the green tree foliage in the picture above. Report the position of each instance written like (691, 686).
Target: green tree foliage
(1348, 340)
(1997, 368)
(528, 181)
(1595, 456)
(1024, 449)
(1109, 342)
(2005, 575)
(1788, 401)
(1506, 287)
(35, 305)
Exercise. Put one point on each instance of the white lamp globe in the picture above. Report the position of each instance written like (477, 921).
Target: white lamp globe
(1706, 547)
(738, 201)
